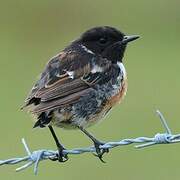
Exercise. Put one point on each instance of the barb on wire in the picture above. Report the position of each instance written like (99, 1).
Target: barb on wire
(36, 156)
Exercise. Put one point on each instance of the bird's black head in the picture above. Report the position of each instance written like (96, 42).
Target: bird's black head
(106, 41)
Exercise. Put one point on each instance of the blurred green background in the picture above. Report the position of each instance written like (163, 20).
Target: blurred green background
(33, 31)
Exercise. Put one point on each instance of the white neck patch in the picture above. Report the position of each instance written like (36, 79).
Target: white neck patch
(122, 68)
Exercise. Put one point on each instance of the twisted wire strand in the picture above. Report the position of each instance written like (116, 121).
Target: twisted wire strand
(36, 156)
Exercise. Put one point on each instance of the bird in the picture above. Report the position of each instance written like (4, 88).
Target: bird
(81, 84)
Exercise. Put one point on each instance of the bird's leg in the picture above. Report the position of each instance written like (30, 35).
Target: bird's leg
(60, 156)
(97, 144)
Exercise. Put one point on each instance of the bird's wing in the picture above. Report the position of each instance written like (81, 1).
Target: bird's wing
(66, 78)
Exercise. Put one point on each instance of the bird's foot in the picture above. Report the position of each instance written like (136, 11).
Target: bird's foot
(60, 156)
(100, 152)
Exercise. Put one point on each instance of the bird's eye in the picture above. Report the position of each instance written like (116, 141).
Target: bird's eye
(103, 41)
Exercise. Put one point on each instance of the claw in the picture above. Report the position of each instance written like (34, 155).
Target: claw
(97, 143)
(100, 157)
(60, 156)
(99, 151)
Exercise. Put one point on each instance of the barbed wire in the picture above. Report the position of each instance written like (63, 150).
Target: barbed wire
(36, 156)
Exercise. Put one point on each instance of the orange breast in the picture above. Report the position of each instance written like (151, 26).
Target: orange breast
(119, 96)
(110, 103)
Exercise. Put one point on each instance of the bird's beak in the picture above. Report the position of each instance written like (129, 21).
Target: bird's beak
(128, 39)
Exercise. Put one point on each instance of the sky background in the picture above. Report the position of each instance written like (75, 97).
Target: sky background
(31, 32)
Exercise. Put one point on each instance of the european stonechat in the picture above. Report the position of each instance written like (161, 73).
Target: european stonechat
(80, 85)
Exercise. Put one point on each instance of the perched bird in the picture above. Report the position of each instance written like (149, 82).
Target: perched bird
(81, 84)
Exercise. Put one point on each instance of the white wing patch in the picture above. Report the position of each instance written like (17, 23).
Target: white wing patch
(71, 74)
(96, 69)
